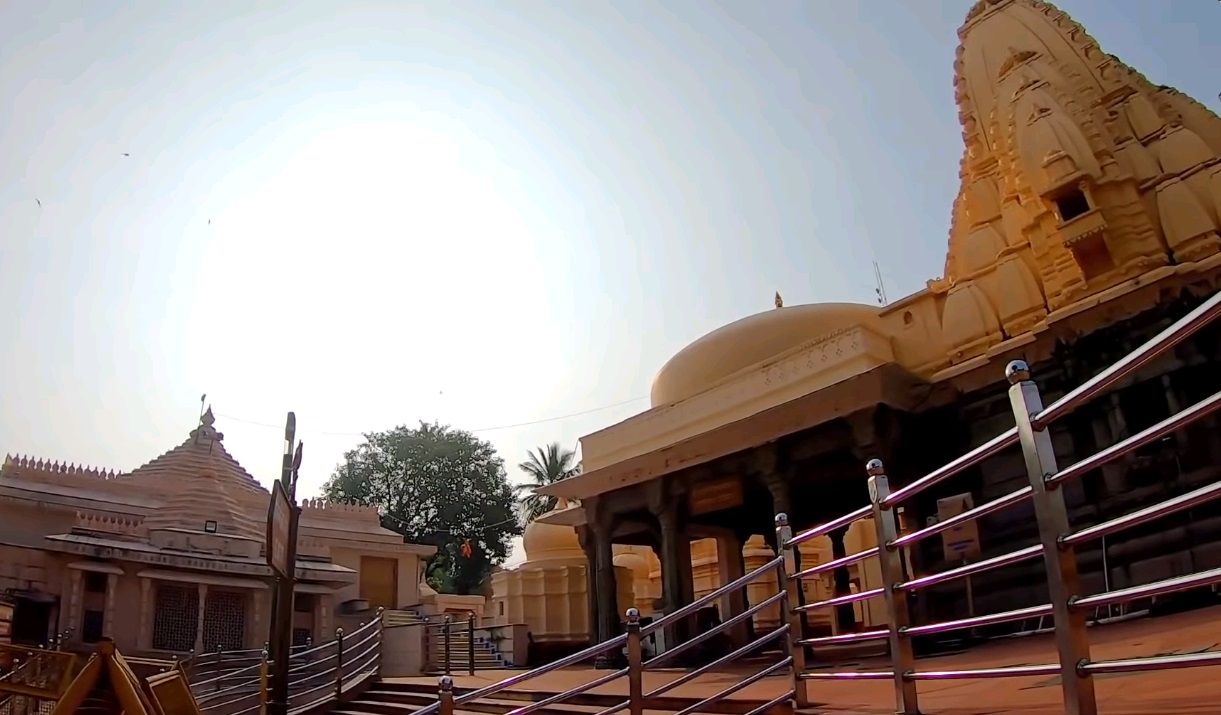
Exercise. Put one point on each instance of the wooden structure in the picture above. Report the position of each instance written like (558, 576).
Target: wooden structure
(107, 685)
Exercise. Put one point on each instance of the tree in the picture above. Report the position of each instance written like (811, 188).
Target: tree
(545, 465)
(435, 485)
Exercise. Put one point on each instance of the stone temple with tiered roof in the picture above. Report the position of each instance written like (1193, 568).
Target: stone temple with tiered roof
(169, 557)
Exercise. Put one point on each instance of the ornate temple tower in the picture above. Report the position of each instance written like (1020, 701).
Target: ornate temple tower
(1078, 175)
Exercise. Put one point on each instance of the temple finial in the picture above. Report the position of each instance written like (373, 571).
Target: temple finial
(779, 300)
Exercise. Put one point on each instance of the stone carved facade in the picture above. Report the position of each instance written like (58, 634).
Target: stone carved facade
(1086, 221)
(169, 556)
(1082, 184)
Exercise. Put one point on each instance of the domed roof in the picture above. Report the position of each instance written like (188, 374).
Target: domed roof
(752, 340)
(544, 542)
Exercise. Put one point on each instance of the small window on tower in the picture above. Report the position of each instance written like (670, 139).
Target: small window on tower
(1071, 205)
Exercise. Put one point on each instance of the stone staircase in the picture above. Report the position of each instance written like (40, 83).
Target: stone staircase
(486, 655)
(400, 618)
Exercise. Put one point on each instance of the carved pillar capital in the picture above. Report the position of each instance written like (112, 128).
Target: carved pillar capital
(778, 485)
(765, 459)
(874, 433)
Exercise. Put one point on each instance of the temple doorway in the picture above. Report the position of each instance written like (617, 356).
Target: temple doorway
(379, 581)
(31, 621)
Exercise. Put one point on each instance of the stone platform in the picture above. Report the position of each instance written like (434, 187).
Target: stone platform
(1194, 691)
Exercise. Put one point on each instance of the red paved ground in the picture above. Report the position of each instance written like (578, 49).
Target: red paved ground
(1193, 691)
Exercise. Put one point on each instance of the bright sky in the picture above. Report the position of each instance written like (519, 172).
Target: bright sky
(492, 214)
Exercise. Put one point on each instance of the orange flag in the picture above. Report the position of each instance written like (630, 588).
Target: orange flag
(466, 549)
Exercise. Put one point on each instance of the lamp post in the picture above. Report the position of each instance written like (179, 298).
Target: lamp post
(283, 521)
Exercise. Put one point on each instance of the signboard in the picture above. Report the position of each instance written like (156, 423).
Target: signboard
(961, 543)
(712, 495)
(279, 518)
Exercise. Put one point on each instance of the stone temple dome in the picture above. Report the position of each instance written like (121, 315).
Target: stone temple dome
(547, 542)
(750, 341)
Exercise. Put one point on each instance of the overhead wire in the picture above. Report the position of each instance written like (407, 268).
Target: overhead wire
(493, 428)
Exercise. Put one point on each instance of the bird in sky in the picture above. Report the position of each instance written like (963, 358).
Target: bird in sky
(39, 202)
(126, 154)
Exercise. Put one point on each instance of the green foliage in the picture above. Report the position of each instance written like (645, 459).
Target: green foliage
(545, 465)
(435, 485)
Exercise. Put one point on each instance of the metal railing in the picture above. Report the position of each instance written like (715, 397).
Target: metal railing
(440, 637)
(1057, 546)
(317, 675)
(628, 649)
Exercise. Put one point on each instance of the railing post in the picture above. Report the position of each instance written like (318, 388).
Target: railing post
(1063, 580)
(889, 559)
(445, 635)
(470, 644)
(635, 664)
(220, 653)
(445, 695)
(338, 662)
(792, 590)
(381, 627)
(263, 670)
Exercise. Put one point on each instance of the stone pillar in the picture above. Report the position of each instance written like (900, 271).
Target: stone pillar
(676, 584)
(259, 631)
(145, 634)
(604, 580)
(74, 601)
(322, 624)
(585, 535)
(730, 567)
(845, 616)
(200, 646)
(112, 585)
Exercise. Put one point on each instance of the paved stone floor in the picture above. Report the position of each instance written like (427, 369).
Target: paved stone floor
(1196, 690)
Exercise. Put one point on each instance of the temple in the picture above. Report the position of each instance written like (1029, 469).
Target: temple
(169, 558)
(1087, 221)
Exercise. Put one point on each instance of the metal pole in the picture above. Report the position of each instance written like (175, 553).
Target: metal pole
(635, 664)
(470, 645)
(889, 559)
(338, 662)
(282, 603)
(792, 589)
(445, 696)
(263, 683)
(445, 625)
(1063, 579)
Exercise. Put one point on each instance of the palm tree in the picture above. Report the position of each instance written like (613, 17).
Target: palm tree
(545, 465)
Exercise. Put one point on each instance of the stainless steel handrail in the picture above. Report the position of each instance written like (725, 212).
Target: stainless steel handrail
(1015, 497)
(993, 446)
(1171, 424)
(835, 564)
(449, 699)
(578, 657)
(843, 600)
(1057, 539)
(727, 658)
(1007, 559)
(735, 687)
(716, 595)
(712, 632)
(1182, 329)
(823, 529)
